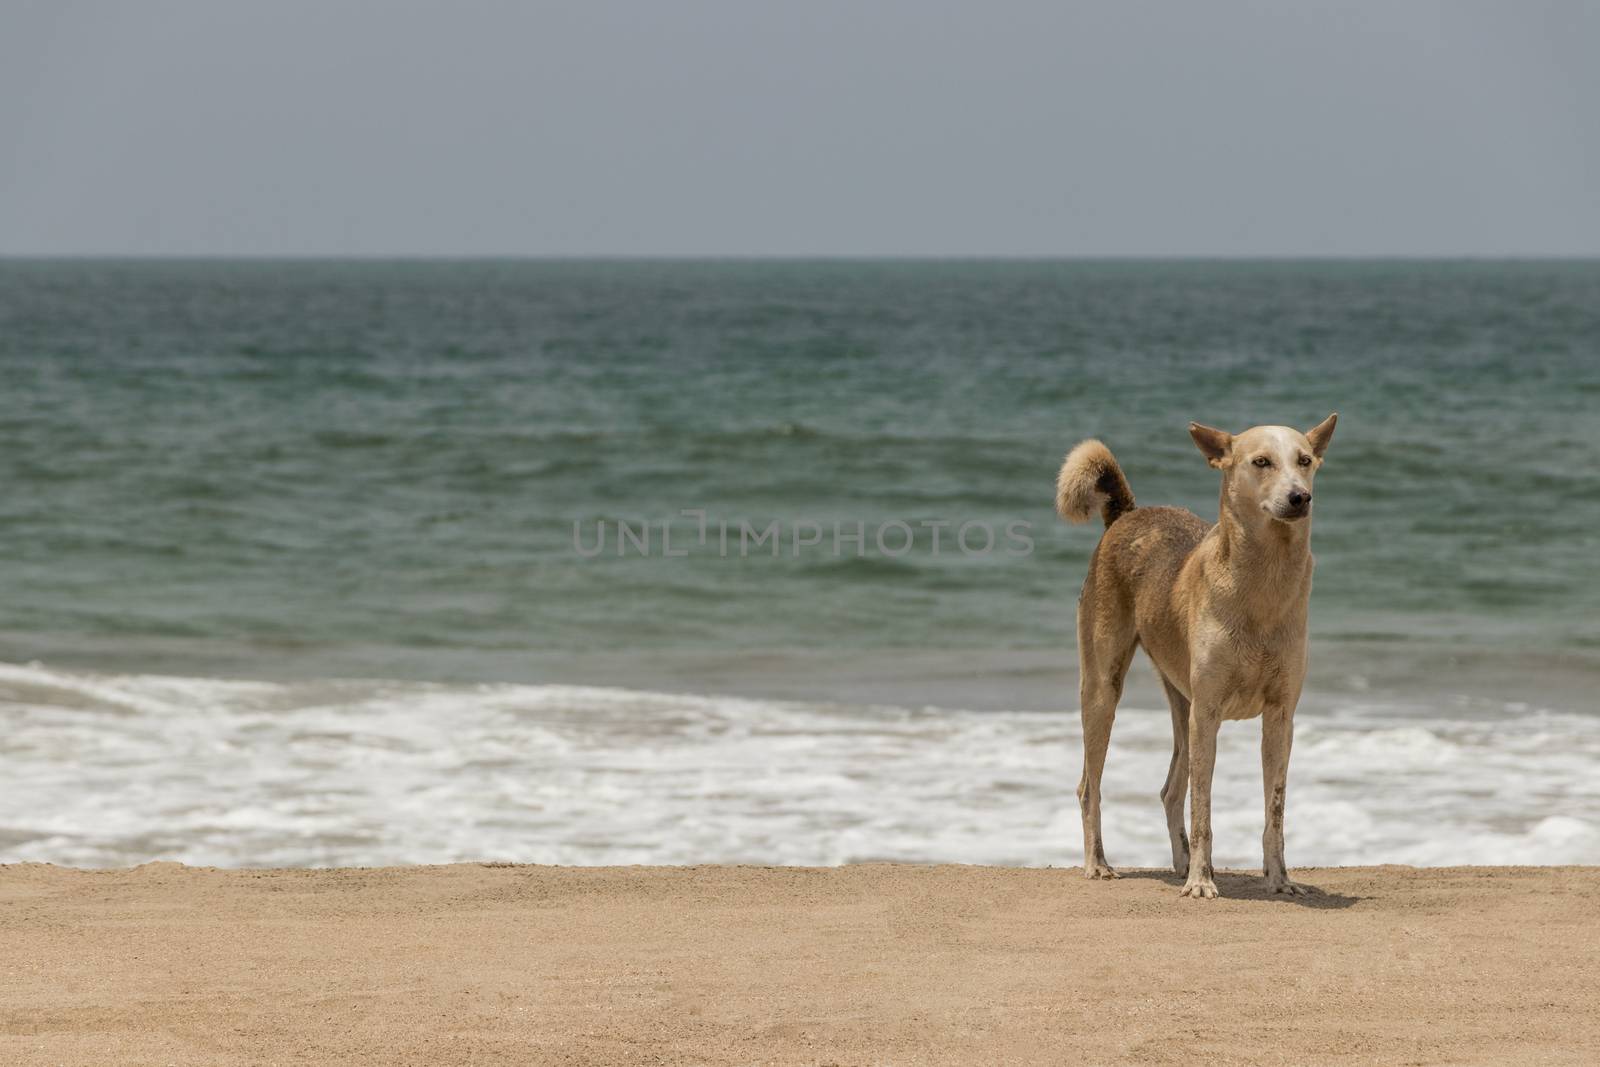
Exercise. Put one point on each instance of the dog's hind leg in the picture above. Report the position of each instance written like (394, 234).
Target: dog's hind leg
(1177, 787)
(1106, 641)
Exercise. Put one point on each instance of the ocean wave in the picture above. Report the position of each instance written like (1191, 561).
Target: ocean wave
(108, 770)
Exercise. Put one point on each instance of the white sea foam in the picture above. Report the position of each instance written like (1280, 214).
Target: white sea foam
(103, 770)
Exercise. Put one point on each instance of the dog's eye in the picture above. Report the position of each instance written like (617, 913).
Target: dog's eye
(1262, 461)
(1305, 461)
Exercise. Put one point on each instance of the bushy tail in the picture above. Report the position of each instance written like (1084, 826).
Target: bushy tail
(1091, 479)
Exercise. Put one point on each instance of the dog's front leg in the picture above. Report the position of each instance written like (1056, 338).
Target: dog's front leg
(1203, 725)
(1277, 737)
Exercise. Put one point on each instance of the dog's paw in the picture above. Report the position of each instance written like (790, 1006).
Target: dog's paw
(1293, 889)
(1099, 870)
(1199, 889)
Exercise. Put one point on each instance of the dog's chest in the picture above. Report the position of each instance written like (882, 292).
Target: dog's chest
(1262, 678)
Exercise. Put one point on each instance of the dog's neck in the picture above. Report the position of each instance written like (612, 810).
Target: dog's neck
(1268, 562)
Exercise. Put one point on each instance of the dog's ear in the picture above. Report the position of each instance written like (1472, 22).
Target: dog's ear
(1321, 434)
(1215, 445)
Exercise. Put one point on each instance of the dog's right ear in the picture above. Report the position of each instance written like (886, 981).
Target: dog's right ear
(1320, 434)
(1215, 445)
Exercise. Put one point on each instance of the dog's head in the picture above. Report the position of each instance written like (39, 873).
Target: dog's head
(1268, 468)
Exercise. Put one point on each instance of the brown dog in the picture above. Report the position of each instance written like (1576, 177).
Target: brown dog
(1220, 610)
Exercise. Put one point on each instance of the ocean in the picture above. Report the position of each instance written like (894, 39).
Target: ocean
(330, 563)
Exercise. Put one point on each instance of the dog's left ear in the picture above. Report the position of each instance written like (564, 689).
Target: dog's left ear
(1214, 444)
(1321, 434)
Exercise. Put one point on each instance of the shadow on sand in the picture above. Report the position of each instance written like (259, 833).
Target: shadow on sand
(1238, 885)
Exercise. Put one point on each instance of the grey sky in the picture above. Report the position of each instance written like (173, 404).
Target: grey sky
(914, 128)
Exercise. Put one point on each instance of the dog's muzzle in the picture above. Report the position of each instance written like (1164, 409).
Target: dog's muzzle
(1297, 505)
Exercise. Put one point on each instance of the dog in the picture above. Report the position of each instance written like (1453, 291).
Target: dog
(1220, 610)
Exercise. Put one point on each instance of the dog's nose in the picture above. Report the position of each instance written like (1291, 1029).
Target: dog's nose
(1299, 498)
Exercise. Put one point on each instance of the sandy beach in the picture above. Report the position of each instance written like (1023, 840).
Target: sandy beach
(741, 965)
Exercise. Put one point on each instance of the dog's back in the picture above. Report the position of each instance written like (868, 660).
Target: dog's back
(1134, 569)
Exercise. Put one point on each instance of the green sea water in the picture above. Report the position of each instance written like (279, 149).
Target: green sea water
(245, 468)
(289, 573)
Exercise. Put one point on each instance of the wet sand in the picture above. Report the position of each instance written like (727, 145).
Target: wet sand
(870, 964)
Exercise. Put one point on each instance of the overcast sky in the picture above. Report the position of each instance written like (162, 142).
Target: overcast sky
(905, 127)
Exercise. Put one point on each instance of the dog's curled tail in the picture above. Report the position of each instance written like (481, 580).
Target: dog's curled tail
(1091, 479)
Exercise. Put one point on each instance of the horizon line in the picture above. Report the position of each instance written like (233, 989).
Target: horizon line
(788, 257)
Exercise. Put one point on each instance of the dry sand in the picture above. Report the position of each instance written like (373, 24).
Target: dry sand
(742, 965)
